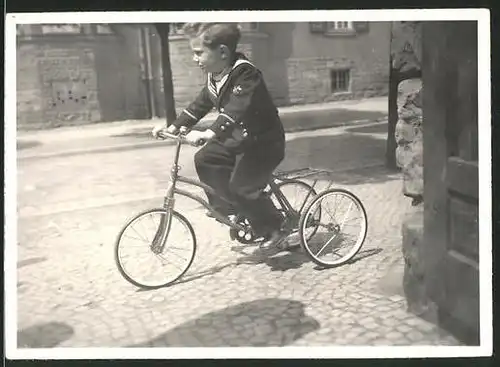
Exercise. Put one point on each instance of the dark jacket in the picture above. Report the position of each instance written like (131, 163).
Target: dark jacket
(247, 114)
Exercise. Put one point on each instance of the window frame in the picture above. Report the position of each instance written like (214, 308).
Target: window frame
(349, 27)
(338, 72)
(352, 29)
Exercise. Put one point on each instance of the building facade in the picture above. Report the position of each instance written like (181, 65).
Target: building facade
(85, 73)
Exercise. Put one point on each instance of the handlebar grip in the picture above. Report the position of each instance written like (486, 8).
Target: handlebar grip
(181, 137)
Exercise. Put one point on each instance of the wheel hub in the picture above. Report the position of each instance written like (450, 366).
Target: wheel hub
(333, 227)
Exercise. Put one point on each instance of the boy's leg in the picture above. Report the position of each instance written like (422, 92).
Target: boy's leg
(214, 165)
(251, 175)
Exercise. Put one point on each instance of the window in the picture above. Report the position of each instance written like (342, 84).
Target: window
(339, 28)
(61, 28)
(336, 27)
(340, 80)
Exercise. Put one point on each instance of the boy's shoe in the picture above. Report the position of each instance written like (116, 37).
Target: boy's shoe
(273, 239)
(231, 217)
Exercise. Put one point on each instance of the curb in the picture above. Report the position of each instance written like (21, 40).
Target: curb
(152, 143)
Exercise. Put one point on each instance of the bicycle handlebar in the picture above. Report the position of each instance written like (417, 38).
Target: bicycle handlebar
(180, 137)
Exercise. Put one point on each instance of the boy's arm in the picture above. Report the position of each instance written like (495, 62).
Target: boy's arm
(195, 111)
(239, 101)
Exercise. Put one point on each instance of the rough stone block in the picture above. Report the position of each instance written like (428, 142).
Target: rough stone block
(409, 138)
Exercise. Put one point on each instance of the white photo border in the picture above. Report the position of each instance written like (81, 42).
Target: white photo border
(482, 16)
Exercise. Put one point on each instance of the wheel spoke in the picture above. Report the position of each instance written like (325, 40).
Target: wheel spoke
(156, 225)
(145, 240)
(179, 248)
(143, 227)
(179, 256)
(135, 238)
(343, 220)
(327, 243)
(169, 262)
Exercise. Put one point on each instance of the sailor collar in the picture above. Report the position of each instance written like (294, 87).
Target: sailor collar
(216, 87)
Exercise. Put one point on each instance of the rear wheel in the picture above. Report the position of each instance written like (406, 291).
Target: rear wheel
(341, 231)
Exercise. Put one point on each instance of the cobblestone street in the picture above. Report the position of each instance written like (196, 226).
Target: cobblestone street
(70, 293)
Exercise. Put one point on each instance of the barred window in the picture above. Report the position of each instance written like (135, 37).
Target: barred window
(333, 27)
(340, 80)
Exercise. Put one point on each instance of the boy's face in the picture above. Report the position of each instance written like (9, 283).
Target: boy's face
(209, 60)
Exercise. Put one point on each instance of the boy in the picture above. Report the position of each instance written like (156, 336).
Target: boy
(247, 141)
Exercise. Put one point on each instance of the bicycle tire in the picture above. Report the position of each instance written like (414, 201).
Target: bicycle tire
(127, 276)
(360, 242)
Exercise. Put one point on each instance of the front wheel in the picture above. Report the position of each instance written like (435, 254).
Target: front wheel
(341, 230)
(155, 248)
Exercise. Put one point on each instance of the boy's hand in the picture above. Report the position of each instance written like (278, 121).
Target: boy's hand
(209, 134)
(196, 137)
(157, 129)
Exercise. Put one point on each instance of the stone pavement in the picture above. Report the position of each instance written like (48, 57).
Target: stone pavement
(70, 293)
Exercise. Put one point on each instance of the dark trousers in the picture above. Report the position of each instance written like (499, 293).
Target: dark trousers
(240, 177)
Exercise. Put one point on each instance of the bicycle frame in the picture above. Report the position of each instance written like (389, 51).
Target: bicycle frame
(173, 190)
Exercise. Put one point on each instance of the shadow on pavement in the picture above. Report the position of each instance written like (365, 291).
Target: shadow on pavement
(276, 258)
(317, 243)
(359, 256)
(364, 254)
(190, 278)
(353, 158)
(259, 323)
(47, 335)
(283, 262)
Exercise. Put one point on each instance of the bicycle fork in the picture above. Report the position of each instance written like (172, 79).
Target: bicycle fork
(160, 238)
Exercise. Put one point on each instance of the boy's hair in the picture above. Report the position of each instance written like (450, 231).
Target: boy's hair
(215, 34)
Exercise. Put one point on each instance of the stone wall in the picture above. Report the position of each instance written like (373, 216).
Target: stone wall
(69, 79)
(314, 56)
(310, 80)
(97, 73)
(56, 85)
